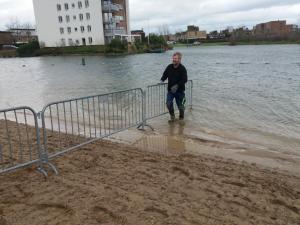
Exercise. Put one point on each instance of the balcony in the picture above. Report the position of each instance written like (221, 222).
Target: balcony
(111, 7)
(115, 31)
(112, 20)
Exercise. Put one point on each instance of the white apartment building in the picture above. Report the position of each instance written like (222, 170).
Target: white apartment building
(80, 22)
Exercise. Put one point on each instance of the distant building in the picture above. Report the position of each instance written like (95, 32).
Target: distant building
(6, 38)
(83, 22)
(193, 33)
(192, 28)
(23, 35)
(242, 34)
(139, 32)
(213, 35)
(274, 29)
(292, 28)
(230, 29)
(180, 36)
(171, 37)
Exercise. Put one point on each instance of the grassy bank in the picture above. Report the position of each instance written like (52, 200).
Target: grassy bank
(115, 47)
(8, 53)
(90, 50)
(72, 50)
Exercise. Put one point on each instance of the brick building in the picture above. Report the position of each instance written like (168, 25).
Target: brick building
(194, 33)
(6, 38)
(139, 32)
(274, 29)
(23, 35)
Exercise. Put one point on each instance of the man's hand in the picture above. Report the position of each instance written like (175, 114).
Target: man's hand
(174, 88)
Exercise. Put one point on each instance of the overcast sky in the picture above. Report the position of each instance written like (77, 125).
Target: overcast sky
(177, 14)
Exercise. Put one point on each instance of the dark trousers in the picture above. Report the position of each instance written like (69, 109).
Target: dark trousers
(180, 101)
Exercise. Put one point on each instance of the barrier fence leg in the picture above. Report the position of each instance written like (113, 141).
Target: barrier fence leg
(144, 116)
(39, 146)
(43, 148)
(46, 161)
(191, 95)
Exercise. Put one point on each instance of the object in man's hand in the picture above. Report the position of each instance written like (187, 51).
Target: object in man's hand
(174, 88)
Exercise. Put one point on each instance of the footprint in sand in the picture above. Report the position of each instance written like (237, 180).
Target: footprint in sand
(183, 171)
(282, 203)
(104, 215)
(157, 210)
(60, 213)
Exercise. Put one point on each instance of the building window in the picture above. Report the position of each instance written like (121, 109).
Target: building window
(83, 41)
(74, 17)
(73, 5)
(88, 16)
(60, 19)
(63, 42)
(66, 6)
(58, 7)
(82, 28)
(69, 29)
(89, 28)
(81, 16)
(120, 18)
(61, 30)
(70, 41)
(77, 42)
(87, 3)
(90, 40)
(75, 29)
(67, 18)
(79, 5)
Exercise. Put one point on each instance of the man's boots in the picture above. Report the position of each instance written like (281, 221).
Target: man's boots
(181, 114)
(172, 116)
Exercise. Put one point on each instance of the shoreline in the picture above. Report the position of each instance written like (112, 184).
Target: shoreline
(188, 139)
(227, 43)
(95, 52)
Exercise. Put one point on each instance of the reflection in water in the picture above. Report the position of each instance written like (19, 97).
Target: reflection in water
(173, 144)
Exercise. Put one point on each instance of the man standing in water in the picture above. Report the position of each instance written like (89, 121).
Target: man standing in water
(177, 77)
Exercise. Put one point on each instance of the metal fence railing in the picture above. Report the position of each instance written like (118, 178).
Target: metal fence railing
(156, 99)
(19, 139)
(70, 124)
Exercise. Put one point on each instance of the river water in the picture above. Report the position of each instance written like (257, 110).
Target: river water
(245, 93)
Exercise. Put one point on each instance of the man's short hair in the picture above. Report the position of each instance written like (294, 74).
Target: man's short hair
(178, 54)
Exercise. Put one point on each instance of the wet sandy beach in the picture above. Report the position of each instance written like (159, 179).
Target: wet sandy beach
(125, 183)
(184, 137)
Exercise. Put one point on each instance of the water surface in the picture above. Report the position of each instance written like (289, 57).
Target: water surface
(244, 93)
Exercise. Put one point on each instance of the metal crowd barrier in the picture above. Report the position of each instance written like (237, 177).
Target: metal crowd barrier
(19, 143)
(70, 124)
(156, 99)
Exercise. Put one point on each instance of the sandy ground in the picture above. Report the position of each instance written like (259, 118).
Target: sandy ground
(114, 183)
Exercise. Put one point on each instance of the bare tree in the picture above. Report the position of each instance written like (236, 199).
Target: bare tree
(164, 31)
(28, 29)
(14, 23)
(19, 30)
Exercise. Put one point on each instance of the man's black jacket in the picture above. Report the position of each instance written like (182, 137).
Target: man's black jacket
(175, 76)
